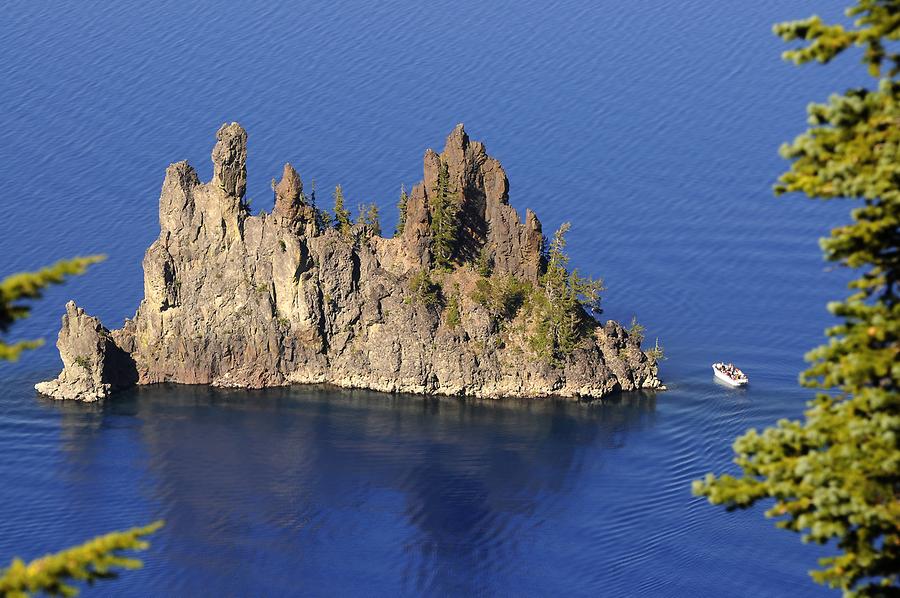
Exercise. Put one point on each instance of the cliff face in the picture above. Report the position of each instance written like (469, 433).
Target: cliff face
(251, 301)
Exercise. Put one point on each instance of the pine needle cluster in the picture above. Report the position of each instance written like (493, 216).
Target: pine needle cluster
(30, 285)
(96, 559)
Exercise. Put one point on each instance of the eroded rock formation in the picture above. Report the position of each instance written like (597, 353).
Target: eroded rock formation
(93, 364)
(232, 299)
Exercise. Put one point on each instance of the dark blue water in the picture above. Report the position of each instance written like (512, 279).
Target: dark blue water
(653, 126)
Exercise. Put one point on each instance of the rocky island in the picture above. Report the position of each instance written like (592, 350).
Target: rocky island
(465, 299)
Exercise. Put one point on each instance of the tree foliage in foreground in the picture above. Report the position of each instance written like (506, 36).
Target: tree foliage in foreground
(30, 285)
(99, 558)
(94, 560)
(835, 475)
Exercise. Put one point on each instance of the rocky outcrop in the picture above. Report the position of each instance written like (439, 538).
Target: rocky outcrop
(489, 223)
(232, 299)
(93, 365)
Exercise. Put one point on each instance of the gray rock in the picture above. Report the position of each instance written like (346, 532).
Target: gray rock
(254, 301)
(93, 365)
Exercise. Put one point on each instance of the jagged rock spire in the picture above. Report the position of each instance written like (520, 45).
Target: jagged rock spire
(186, 204)
(288, 195)
(291, 211)
(488, 222)
(229, 158)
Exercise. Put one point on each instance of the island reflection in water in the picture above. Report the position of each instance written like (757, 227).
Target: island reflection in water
(440, 495)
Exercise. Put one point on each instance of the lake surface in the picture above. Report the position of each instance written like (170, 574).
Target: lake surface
(652, 126)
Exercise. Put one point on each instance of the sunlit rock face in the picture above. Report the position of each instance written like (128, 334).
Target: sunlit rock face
(237, 300)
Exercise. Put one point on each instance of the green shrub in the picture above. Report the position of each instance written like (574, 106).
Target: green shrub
(502, 296)
(424, 290)
(454, 318)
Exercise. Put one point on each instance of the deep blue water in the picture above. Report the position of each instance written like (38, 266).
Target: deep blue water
(652, 125)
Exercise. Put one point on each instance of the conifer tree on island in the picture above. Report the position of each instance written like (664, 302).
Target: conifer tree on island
(444, 210)
(98, 558)
(835, 474)
(371, 219)
(342, 220)
(401, 209)
(559, 302)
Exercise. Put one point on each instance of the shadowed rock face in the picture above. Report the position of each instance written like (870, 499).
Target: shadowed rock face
(488, 222)
(253, 301)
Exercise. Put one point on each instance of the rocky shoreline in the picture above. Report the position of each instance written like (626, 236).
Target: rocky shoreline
(240, 300)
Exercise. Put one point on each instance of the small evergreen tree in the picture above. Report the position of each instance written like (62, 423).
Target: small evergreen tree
(401, 209)
(371, 219)
(342, 220)
(444, 211)
(656, 352)
(559, 304)
(322, 216)
(484, 265)
(636, 329)
(367, 216)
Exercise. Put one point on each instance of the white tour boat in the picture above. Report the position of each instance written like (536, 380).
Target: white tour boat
(730, 374)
